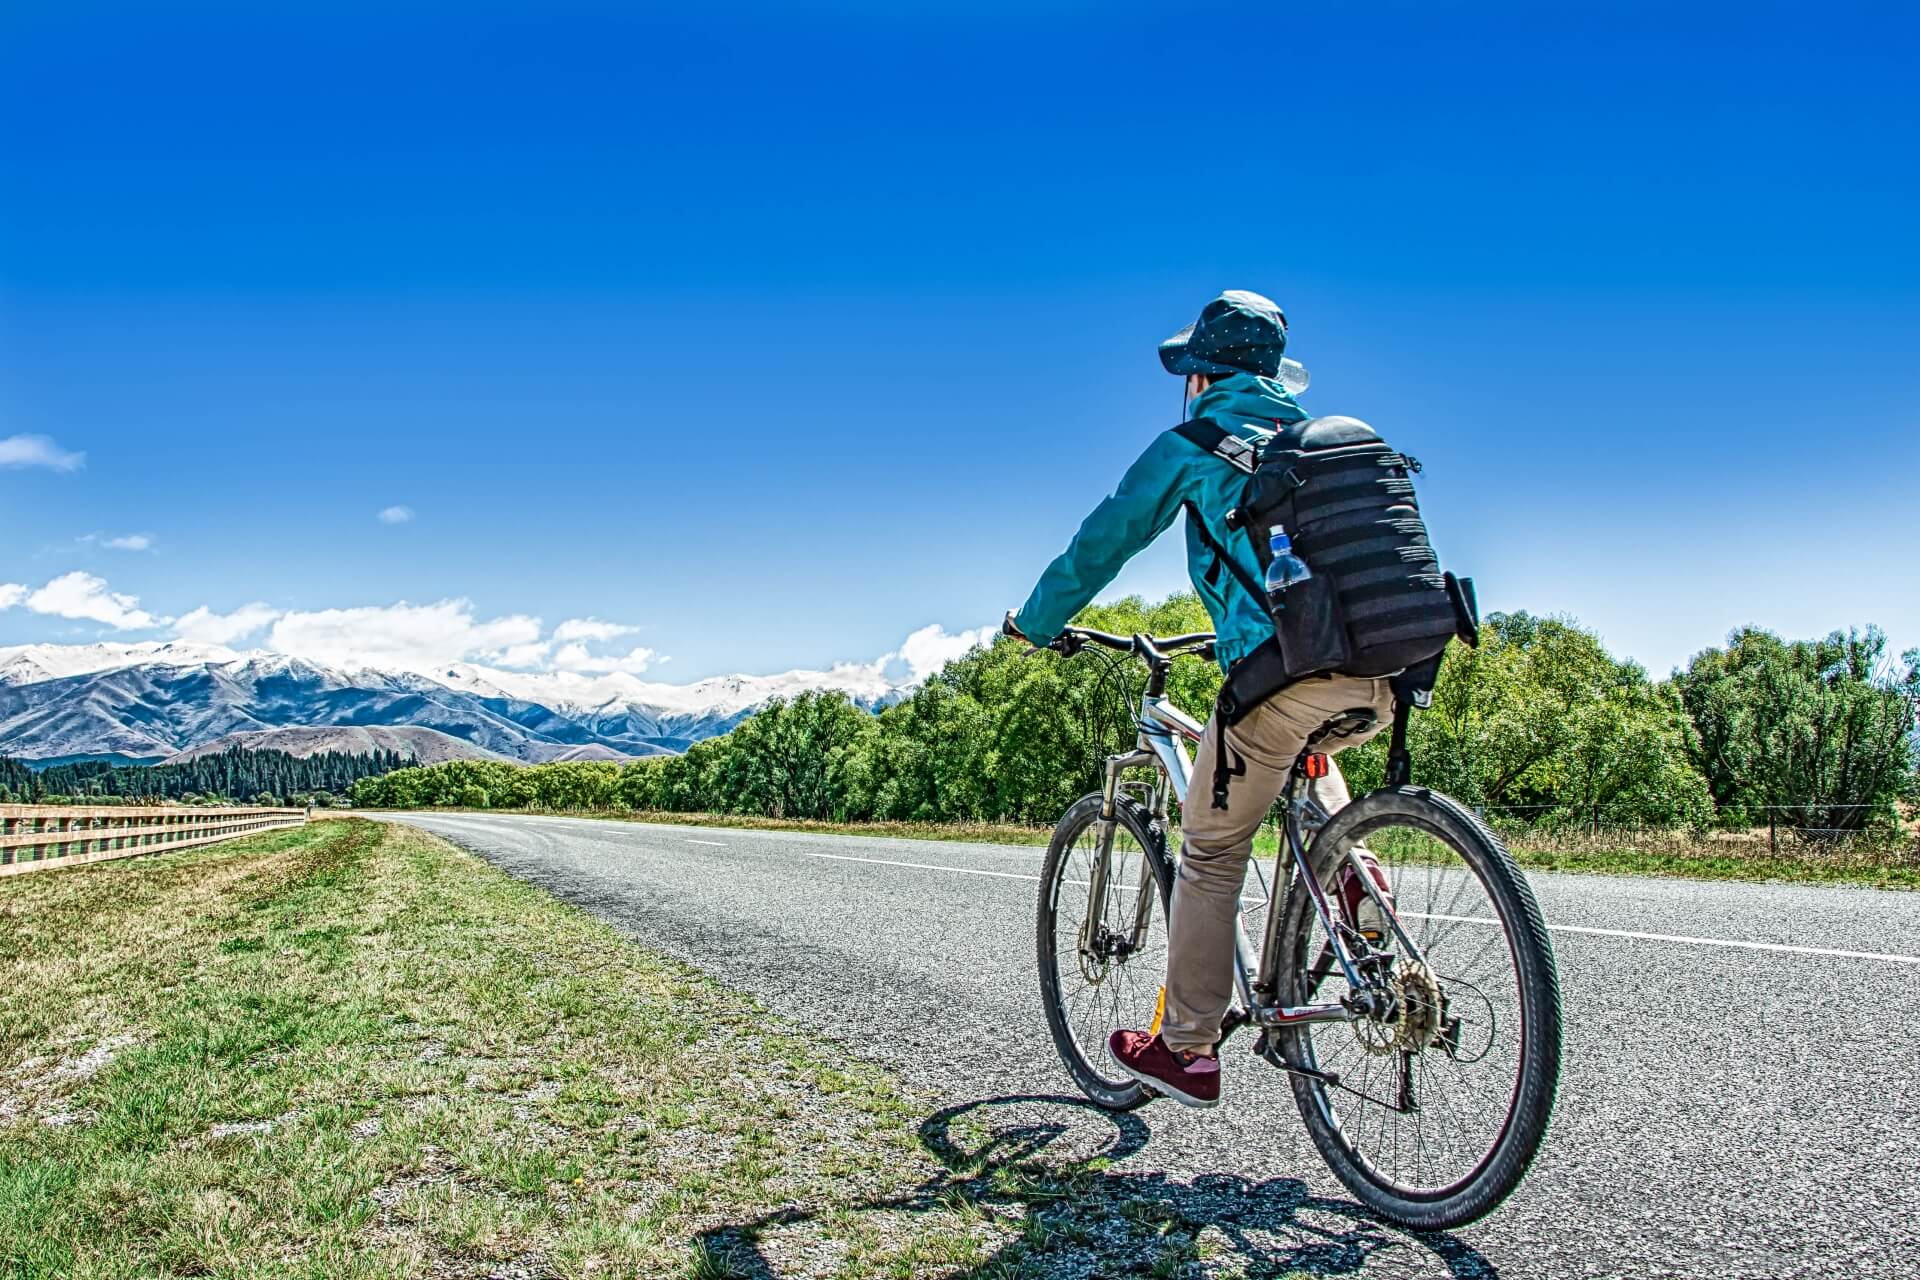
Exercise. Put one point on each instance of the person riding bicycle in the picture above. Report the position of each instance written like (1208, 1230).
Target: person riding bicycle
(1231, 359)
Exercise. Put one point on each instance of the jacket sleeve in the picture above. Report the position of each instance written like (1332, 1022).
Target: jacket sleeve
(1122, 526)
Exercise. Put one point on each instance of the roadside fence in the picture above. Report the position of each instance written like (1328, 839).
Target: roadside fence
(41, 837)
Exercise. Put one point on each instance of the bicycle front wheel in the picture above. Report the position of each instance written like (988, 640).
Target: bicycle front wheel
(1102, 963)
(1440, 1105)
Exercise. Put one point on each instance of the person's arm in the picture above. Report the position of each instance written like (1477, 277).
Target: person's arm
(1139, 511)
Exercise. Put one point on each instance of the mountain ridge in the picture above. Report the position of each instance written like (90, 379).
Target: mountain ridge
(166, 698)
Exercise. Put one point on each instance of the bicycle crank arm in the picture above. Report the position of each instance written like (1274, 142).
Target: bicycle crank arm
(1275, 1015)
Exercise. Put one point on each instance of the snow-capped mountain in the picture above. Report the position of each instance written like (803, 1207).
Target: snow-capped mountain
(25, 663)
(157, 700)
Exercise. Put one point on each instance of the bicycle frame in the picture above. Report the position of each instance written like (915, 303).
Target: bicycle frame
(1164, 731)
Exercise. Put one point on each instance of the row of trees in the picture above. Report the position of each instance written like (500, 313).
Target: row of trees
(1540, 723)
(234, 775)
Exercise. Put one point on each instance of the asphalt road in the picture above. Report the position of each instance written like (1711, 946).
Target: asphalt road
(1725, 1110)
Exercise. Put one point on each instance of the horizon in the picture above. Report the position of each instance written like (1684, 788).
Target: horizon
(466, 337)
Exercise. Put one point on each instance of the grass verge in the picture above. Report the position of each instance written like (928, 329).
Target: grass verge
(352, 1050)
(1673, 855)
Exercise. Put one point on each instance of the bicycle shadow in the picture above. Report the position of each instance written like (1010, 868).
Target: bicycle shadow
(1070, 1215)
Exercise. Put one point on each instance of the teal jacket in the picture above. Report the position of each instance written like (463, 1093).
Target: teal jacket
(1170, 475)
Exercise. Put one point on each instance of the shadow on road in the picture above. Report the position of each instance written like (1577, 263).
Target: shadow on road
(1070, 1215)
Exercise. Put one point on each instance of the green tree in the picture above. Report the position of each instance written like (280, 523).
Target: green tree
(1821, 729)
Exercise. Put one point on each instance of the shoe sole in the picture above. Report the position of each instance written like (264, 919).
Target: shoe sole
(1159, 1086)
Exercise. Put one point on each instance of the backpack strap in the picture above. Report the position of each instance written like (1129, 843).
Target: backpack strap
(1210, 437)
(1220, 556)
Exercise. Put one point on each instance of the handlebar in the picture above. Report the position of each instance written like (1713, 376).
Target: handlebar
(1153, 649)
(1156, 650)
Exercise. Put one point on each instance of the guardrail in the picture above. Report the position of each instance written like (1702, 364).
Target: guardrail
(41, 837)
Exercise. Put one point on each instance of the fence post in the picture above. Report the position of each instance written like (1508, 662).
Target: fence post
(1773, 838)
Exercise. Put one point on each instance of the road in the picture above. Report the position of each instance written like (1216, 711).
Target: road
(1735, 1101)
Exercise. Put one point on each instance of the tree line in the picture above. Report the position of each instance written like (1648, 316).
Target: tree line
(235, 775)
(1538, 724)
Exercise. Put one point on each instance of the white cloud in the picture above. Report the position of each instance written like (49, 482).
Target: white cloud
(410, 637)
(920, 655)
(11, 594)
(574, 657)
(589, 629)
(395, 515)
(930, 648)
(81, 595)
(531, 654)
(204, 626)
(38, 451)
(129, 542)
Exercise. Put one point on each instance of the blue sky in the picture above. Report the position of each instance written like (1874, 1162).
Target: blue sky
(764, 337)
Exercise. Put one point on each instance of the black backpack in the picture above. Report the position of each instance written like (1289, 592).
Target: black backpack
(1377, 603)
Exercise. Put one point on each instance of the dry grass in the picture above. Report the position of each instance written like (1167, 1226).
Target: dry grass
(1883, 863)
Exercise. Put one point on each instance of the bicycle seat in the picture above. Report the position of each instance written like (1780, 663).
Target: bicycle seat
(1354, 720)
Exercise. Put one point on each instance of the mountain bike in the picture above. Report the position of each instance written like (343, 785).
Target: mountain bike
(1423, 1058)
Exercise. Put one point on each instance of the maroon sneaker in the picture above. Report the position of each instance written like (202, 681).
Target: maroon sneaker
(1360, 910)
(1190, 1078)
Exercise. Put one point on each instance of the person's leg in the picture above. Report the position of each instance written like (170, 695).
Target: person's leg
(1217, 842)
(1215, 845)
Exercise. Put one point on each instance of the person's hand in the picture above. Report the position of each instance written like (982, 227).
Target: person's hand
(1007, 628)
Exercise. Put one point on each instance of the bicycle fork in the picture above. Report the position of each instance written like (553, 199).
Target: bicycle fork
(1095, 922)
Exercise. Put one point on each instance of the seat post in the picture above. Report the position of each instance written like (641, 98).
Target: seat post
(1399, 759)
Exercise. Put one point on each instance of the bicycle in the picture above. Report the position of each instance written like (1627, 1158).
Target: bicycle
(1425, 1081)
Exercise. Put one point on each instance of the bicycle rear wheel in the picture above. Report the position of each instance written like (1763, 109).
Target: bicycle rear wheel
(1440, 1107)
(1101, 967)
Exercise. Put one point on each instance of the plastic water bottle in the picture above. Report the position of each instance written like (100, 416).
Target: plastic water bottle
(1285, 568)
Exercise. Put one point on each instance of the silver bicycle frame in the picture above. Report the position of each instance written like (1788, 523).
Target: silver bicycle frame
(1163, 730)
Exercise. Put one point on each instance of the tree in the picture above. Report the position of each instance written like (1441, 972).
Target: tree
(1541, 723)
(1820, 729)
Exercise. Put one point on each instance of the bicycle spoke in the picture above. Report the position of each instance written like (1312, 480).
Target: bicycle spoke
(1459, 1107)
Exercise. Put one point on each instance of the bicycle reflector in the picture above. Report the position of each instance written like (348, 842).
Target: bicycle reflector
(1318, 764)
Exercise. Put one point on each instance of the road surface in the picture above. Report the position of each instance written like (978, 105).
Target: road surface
(1738, 1099)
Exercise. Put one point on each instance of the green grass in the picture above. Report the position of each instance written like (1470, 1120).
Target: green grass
(1665, 854)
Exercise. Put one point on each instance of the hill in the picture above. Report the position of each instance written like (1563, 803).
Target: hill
(423, 746)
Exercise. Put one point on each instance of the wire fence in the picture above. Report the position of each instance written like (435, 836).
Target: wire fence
(1782, 827)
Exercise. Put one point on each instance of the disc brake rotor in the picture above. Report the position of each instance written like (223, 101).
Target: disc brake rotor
(1416, 1020)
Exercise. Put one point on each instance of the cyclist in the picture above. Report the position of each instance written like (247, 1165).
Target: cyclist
(1231, 359)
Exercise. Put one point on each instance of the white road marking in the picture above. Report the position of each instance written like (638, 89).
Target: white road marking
(1631, 934)
(1690, 941)
(1634, 934)
(917, 866)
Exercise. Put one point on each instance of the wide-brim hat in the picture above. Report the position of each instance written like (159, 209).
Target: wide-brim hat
(1238, 332)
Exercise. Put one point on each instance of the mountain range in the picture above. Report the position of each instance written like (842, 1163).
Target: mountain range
(156, 700)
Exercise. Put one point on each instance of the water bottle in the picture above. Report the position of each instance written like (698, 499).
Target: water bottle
(1285, 568)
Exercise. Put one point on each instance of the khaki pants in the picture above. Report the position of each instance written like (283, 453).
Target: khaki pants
(1218, 842)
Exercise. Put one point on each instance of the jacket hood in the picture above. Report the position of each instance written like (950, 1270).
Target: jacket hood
(1247, 399)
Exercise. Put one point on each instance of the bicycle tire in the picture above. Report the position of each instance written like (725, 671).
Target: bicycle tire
(1117, 1093)
(1530, 1105)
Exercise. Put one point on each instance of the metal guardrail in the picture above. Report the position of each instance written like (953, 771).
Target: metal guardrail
(41, 837)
